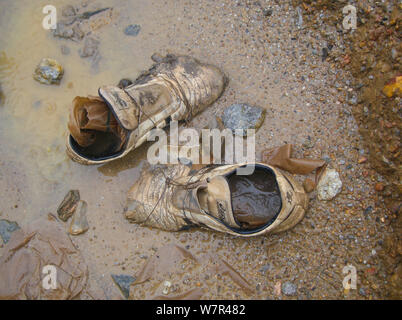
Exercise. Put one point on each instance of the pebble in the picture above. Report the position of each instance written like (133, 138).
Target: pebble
(278, 288)
(166, 289)
(123, 282)
(267, 12)
(329, 185)
(368, 210)
(289, 289)
(48, 71)
(379, 187)
(132, 30)
(362, 160)
(265, 268)
(7, 228)
(79, 223)
(240, 116)
(124, 83)
(69, 204)
(308, 143)
(308, 185)
(2, 97)
(66, 31)
(362, 292)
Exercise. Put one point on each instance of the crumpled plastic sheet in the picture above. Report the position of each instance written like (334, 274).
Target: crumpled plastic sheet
(281, 157)
(43, 243)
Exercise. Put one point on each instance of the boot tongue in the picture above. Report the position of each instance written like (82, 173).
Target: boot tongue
(220, 202)
(122, 106)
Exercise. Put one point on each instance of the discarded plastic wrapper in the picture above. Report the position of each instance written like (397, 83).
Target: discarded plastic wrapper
(281, 157)
(22, 264)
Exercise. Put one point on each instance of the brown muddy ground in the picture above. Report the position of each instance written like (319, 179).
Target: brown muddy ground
(272, 61)
(373, 56)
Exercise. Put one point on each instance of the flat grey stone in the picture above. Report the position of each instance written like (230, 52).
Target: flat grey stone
(123, 282)
(132, 30)
(289, 289)
(69, 204)
(240, 116)
(79, 223)
(329, 185)
(6, 229)
(48, 71)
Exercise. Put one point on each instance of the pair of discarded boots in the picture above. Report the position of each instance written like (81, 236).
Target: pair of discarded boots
(174, 197)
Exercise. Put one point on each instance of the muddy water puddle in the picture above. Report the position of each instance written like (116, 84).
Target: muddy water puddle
(266, 67)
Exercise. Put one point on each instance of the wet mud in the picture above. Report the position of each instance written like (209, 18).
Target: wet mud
(255, 199)
(372, 54)
(273, 60)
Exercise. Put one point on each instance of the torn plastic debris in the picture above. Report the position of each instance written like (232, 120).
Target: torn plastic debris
(22, 264)
(6, 229)
(281, 157)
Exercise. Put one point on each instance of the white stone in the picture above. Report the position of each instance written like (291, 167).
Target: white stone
(329, 185)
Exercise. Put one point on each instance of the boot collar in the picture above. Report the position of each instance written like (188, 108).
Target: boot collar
(210, 197)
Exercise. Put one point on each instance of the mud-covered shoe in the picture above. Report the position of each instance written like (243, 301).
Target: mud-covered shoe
(175, 197)
(120, 119)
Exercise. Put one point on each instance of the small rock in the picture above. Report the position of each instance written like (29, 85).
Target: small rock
(308, 143)
(266, 268)
(379, 187)
(324, 53)
(267, 12)
(308, 185)
(79, 223)
(132, 30)
(329, 185)
(278, 288)
(362, 160)
(368, 210)
(69, 204)
(240, 116)
(166, 289)
(353, 99)
(299, 19)
(6, 228)
(90, 48)
(123, 282)
(66, 31)
(48, 71)
(124, 83)
(289, 289)
(2, 97)
(362, 292)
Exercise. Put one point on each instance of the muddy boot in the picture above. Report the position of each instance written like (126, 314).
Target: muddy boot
(174, 198)
(107, 128)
